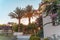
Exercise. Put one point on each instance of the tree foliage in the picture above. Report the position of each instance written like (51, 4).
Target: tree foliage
(18, 13)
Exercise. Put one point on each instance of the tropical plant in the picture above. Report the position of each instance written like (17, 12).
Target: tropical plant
(39, 21)
(30, 28)
(29, 12)
(58, 2)
(18, 14)
(34, 38)
(40, 33)
(50, 9)
(40, 25)
(15, 27)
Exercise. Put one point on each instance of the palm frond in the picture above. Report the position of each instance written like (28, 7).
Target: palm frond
(17, 13)
(29, 8)
(12, 15)
(28, 11)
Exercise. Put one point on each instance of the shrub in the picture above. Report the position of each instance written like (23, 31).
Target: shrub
(46, 39)
(40, 33)
(34, 38)
(15, 28)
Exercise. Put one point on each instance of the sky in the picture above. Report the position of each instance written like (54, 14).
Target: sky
(7, 6)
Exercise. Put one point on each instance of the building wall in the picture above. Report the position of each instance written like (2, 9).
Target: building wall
(50, 30)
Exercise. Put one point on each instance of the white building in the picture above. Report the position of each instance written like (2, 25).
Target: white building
(50, 30)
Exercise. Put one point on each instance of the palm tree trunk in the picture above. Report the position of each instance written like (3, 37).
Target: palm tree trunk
(18, 25)
(29, 20)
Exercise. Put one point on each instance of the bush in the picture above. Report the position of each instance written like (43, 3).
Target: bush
(34, 38)
(46, 39)
(15, 28)
(40, 33)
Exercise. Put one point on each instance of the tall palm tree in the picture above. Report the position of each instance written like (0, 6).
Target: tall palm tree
(29, 12)
(17, 13)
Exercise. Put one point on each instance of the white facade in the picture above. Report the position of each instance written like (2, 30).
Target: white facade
(49, 30)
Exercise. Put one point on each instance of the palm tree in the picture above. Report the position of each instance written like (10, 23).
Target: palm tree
(18, 13)
(29, 12)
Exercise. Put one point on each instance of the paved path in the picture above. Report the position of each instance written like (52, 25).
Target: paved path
(23, 37)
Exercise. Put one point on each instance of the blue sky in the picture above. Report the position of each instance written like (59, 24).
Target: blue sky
(7, 6)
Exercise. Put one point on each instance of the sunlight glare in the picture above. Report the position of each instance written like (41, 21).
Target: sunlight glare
(33, 19)
(24, 21)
